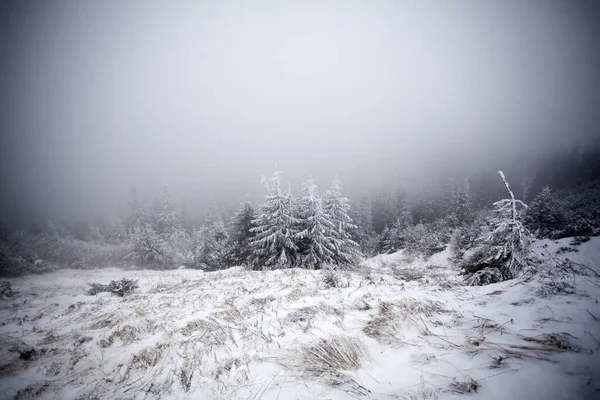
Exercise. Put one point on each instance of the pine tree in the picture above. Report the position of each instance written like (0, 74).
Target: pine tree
(503, 251)
(113, 230)
(137, 214)
(167, 219)
(364, 234)
(240, 234)
(315, 229)
(275, 228)
(95, 236)
(461, 209)
(210, 247)
(382, 211)
(393, 237)
(148, 247)
(345, 250)
(544, 216)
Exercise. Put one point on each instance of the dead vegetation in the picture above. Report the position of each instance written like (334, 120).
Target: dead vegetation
(424, 394)
(209, 333)
(464, 387)
(120, 288)
(394, 317)
(150, 356)
(329, 361)
(126, 334)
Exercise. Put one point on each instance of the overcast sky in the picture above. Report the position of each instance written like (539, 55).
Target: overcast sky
(208, 95)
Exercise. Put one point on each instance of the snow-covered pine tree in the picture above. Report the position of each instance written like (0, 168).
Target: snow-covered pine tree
(240, 234)
(382, 211)
(167, 218)
(461, 207)
(273, 245)
(148, 247)
(345, 250)
(137, 214)
(95, 235)
(209, 248)
(113, 230)
(364, 234)
(502, 253)
(544, 216)
(393, 238)
(315, 229)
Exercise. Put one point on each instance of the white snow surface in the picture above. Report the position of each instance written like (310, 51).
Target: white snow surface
(237, 334)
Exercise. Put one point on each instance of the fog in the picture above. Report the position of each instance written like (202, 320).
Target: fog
(207, 96)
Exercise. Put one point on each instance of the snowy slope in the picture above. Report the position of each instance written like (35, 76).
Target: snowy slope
(400, 328)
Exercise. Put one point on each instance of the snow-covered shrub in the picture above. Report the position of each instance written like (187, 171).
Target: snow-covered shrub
(502, 251)
(331, 278)
(464, 237)
(120, 288)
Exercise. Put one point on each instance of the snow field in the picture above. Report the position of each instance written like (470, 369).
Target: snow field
(398, 328)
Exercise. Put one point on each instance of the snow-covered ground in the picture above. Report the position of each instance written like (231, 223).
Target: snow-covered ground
(399, 329)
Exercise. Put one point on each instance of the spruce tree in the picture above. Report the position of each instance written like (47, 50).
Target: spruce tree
(275, 228)
(148, 247)
(544, 216)
(210, 247)
(167, 219)
(240, 234)
(461, 208)
(393, 237)
(315, 229)
(137, 214)
(502, 253)
(337, 207)
(364, 234)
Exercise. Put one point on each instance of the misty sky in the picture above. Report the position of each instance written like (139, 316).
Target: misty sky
(208, 95)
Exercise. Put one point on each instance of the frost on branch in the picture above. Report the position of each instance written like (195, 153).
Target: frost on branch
(503, 250)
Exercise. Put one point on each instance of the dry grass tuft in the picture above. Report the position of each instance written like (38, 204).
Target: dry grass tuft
(150, 356)
(553, 341)
(424, 394)
(301, 292)
(126, 334)
(209, 333)
(107, 320)
(230, 314)
(385, 308)
(470, 386)
(383, 329)
(337, 353)
(409, 307)
(261, 301)
(228, 366)
(303, 315)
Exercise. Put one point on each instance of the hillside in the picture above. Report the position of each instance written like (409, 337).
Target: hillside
(398, 328)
